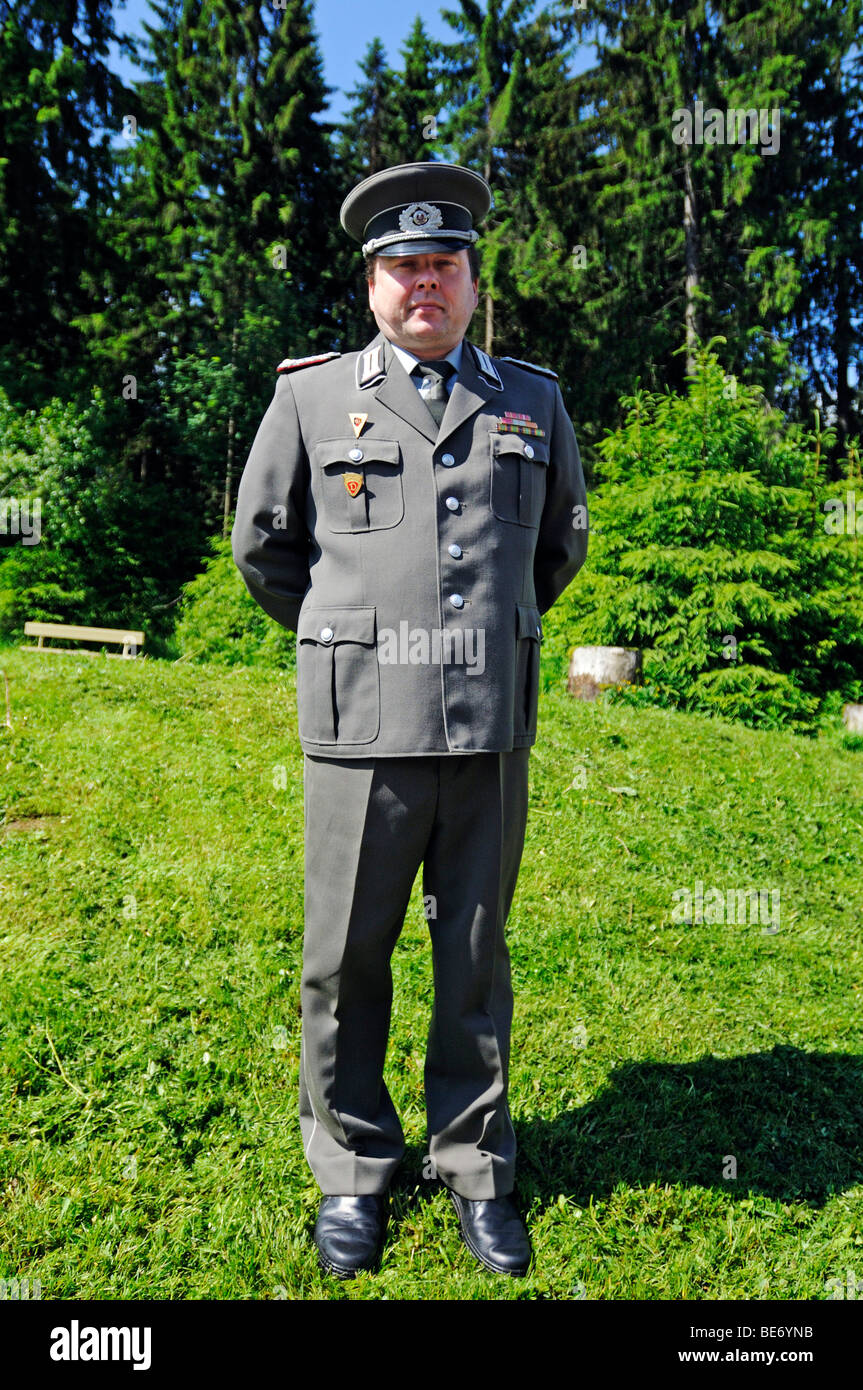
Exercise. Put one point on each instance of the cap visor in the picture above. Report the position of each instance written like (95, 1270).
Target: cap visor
(412, 248)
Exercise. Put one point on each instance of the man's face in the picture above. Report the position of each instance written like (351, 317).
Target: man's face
(423, 303)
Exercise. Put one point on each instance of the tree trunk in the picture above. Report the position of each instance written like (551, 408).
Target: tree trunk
(843, 333)
(690, 85)
(489, 322)
(489, 300)
(690, 231)
(229, 464)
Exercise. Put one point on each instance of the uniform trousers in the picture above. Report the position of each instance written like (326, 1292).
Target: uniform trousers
(369, 824)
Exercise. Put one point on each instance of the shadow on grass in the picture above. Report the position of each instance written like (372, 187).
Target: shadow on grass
(792, 1120)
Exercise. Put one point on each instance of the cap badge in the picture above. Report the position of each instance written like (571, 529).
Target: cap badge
(423, 217)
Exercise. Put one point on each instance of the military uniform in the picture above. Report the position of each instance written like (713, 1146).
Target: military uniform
(470, 533)
(414, 563)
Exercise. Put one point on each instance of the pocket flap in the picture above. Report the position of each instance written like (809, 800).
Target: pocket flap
(330, 451)
(330, 625)
(515, 444)
(529, 622)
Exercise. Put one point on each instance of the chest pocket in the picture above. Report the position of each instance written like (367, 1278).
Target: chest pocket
(373, 498)
(519, 469)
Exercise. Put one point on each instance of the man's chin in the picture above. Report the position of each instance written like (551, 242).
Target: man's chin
(425, 334)
(426, 328)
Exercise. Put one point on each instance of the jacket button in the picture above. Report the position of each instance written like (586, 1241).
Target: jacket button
(452, 503)
(455, 551)
(528, 451)
(447, 460)
(327, 634)
(538, 631)
(355, 455)
(456, 600)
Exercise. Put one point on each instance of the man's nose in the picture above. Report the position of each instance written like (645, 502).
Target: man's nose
(426, 280)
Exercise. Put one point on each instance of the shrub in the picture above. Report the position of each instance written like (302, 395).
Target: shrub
(709, 550)
(220, 621)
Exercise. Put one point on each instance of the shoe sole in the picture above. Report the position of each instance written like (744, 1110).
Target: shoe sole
(488, 1264)
(340, 1272)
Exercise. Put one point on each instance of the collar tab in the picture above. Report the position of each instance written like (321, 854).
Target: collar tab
(370, 367)
(487, 367)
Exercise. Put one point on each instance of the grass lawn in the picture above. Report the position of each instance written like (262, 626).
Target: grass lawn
(151, 909)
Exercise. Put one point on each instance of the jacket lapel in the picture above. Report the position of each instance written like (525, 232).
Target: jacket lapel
(469, 394)
(398, 393)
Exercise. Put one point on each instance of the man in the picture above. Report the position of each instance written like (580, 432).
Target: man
(410, 510)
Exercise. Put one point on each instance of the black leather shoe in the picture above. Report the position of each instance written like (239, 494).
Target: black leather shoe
(494, 1233)
(349, 1233)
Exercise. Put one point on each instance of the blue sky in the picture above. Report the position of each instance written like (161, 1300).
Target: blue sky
(344, 27)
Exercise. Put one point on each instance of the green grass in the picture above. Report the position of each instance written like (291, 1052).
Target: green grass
(151, 868)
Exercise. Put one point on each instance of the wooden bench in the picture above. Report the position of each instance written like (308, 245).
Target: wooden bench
(132, 642)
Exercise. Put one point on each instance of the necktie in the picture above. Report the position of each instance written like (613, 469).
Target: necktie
(438, 374)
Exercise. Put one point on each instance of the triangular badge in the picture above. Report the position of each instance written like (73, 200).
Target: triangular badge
(353, 482)
(357, 422)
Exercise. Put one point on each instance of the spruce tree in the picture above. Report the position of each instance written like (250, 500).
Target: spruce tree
(231, 201)
(59, 104)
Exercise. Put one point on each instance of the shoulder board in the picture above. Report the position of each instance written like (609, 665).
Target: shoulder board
(293, 364)
(530, 366)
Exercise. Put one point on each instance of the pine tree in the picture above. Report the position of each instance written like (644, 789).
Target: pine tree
(392, 119)
(231, 198)
(683, 239)
(809, 268)
(417, 98)
(59, 104)
(366, 138)
(489, 92)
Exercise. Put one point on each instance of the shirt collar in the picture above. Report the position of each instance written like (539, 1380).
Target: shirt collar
(409, 360)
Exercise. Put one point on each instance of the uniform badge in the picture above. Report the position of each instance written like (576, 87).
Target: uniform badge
(370, 367)
(487, 367)
(516, 422)
(353, 482)
(420, 217)
(357, 422)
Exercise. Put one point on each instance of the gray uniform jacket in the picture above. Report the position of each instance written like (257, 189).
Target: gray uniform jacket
(413, 563)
